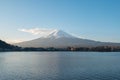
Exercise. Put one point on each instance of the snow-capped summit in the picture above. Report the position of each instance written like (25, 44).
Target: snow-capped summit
(58, 34)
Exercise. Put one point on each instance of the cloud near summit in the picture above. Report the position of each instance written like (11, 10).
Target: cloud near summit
(37, 31)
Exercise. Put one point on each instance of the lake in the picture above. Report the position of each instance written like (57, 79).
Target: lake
(59, 66)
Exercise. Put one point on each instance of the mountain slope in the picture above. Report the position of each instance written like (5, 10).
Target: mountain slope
(5, 46)
(60, 39)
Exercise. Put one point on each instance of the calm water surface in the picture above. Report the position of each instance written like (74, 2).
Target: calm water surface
(59, 66)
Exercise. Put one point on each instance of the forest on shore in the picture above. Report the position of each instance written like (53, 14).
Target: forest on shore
(8, 47)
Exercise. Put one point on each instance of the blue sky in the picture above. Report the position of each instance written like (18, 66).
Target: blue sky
(92, 19)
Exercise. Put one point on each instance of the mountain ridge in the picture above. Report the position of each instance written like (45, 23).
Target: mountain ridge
(7, 47)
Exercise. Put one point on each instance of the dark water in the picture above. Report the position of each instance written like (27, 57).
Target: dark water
(59, 66)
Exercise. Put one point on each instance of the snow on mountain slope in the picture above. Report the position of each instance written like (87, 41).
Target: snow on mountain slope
(58, 34)
(60, 39)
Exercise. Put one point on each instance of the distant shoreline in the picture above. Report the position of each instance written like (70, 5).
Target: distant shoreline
(5, 47)
(57, 51)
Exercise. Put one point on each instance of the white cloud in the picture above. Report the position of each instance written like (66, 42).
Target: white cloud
(37, 31)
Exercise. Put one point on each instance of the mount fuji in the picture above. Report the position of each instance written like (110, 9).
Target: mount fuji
(61, 39)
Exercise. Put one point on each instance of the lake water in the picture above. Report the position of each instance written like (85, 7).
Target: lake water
(59, 66)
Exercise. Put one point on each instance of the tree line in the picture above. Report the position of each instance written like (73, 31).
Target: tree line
(7, 47)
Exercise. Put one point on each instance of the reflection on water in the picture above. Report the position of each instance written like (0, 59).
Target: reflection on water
(59, 66)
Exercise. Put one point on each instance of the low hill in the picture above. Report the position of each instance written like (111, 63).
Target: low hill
(7, 47)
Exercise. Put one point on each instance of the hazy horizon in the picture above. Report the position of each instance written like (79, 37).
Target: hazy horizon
(90, 19)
